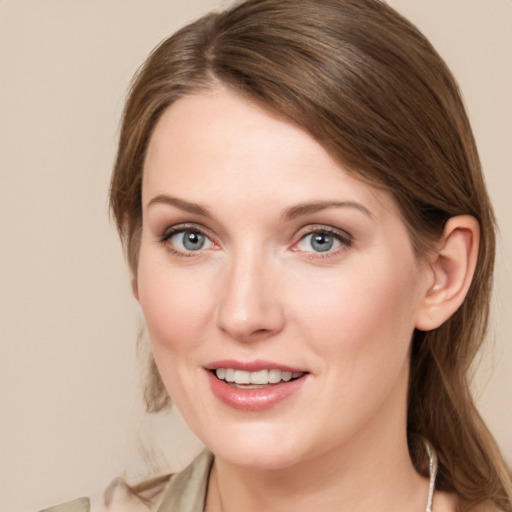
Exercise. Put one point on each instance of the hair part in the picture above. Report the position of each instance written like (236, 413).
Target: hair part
(370, 88)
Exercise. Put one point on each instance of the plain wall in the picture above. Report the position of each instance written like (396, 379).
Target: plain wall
(70, 408)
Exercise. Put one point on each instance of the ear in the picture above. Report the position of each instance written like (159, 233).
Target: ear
(452, 267)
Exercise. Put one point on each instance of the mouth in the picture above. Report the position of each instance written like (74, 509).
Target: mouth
(254, 386)
(244, 379)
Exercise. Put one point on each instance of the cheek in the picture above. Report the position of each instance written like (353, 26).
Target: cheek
(360, 330)
(364, 313)
(174, 305)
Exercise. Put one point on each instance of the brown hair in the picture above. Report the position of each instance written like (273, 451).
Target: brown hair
(367, 85)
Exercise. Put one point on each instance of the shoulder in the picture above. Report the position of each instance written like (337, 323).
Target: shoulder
(79, 505)
(184, 491)
(120, 497)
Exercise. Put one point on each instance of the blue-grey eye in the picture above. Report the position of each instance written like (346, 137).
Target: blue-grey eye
(318, 242)
(190, 240)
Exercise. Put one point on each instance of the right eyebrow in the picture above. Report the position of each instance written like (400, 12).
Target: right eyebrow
(186, 206)
(317, 206)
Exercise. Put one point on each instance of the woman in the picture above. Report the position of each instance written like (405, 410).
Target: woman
(300, 199)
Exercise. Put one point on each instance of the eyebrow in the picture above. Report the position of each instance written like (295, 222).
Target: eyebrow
(317, 206)
(288, 214)
(181, 204)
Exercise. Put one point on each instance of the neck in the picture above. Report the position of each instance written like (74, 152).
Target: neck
(371, 472)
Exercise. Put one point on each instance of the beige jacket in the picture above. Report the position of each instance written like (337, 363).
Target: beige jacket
(184, 492)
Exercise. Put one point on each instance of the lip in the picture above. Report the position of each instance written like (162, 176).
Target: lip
(253, 366)
(253, 399)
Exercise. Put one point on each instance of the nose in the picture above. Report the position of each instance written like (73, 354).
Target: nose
(250, 308)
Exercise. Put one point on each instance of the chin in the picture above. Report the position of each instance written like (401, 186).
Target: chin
(258, 459)
(257, 448)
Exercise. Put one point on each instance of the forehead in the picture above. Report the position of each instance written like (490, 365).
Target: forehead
(215, 146)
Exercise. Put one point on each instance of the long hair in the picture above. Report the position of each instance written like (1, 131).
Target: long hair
(370, 88)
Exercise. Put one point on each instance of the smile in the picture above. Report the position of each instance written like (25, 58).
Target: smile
(255, 386)
(255, 379)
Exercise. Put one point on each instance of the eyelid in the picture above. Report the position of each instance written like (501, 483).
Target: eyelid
(323, 228)
(344, 237)
(170, 231)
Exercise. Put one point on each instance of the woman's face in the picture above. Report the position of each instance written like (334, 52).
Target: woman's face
(263, 261)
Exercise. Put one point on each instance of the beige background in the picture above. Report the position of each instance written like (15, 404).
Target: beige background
(69, 404)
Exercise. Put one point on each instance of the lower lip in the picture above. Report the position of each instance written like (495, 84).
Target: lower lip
(255, 399)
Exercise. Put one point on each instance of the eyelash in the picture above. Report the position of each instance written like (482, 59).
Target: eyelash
(344, 238)
(182, 228)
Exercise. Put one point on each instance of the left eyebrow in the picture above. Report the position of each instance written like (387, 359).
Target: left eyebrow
(186, 206)
(314, 207)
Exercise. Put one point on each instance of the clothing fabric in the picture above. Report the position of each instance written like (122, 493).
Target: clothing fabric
(185, 492)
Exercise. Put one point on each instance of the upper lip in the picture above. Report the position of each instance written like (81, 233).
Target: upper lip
(252, 366)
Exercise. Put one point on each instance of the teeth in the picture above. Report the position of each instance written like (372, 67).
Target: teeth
(242, 377)
(261, 377)
(274, 376)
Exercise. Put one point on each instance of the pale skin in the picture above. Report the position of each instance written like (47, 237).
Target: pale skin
(298, 262)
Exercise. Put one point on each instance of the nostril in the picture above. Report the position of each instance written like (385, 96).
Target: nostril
(249, 310)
